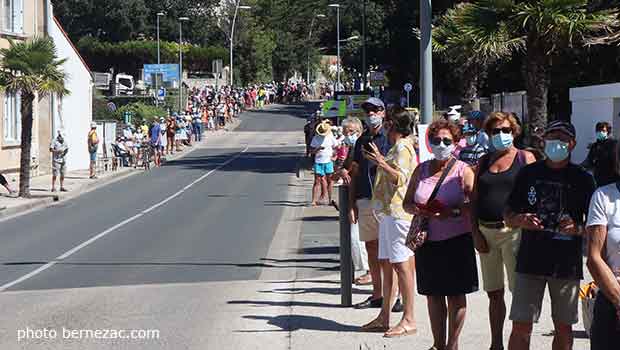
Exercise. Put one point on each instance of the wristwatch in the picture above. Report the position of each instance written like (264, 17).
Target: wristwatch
(456, 212)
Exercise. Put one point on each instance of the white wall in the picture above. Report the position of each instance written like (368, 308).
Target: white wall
(593, 104)
(73, 113)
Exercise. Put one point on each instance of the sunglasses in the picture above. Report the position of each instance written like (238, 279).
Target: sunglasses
(502, 130)
(437, 140)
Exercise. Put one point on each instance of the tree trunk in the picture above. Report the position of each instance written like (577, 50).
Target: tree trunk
(27, 100)
(537, 84)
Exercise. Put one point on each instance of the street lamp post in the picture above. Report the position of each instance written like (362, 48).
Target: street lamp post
(364, 45)
(337, 6)
(426, 59)
(181, 20)
(310, 38)
(159, 14)
(232, 36)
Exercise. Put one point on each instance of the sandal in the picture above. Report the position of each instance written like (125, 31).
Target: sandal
(364, 280)
(375, 325)
(400, 331)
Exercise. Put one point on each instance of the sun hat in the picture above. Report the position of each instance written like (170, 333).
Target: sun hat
(324, 128)
(93, 125)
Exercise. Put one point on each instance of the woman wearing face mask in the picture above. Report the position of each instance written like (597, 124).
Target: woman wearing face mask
(497, 243)
(446, 263)
(352, 129)
(394, 171)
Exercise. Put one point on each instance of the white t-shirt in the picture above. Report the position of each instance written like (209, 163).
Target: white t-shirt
(605, 211)
(328, 143)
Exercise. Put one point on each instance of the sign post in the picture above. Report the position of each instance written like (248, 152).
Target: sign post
(408, 87)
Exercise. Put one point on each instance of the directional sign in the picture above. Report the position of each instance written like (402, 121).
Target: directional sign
(408, 87)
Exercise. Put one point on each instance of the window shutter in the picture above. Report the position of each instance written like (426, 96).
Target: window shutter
(6, 119)
(18, 16)
(18, 116)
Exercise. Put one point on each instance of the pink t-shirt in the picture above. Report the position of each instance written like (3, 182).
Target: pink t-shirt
(450, 194)
(342, 152)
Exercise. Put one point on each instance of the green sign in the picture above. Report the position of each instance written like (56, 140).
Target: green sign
(334, 109)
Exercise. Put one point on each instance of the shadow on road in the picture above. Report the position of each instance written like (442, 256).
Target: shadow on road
(273, 162)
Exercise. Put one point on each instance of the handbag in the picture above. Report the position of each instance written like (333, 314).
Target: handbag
(418, 232)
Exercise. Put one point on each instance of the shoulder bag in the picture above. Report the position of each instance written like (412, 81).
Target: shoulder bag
(418, 232)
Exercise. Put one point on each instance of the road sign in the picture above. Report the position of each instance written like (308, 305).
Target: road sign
(161, 93)
(217, 66)
(408, 87)
(377, 78)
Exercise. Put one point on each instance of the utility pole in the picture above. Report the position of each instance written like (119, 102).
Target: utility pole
(426, 59)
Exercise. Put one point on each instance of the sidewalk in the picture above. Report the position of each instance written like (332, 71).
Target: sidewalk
(316, 319)
(78, 181)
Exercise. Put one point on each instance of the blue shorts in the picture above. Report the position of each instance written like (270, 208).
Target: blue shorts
(93, 156)
(323, 169)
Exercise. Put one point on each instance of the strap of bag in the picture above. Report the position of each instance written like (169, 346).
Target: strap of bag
(441, 179)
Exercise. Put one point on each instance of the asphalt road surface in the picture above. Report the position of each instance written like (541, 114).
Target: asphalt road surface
(206, 217)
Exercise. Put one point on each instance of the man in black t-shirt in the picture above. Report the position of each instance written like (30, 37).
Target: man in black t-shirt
(549, 202)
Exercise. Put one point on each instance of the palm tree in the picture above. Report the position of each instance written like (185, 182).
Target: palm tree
(540, 29)
(468, 60)
(32, 69)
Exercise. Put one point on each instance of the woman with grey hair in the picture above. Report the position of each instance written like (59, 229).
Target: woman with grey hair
(352, 129)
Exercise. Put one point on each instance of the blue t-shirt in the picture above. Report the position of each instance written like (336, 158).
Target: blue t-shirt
(155, 133)
(367, 171)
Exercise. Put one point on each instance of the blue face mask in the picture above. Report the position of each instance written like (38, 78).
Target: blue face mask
(502, 141)
(556, 150)
(350, 140)
(601, 135)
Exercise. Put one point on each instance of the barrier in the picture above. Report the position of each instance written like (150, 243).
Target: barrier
(346, 261)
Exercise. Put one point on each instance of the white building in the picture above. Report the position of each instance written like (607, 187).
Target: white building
(72, 113)
(593, 104)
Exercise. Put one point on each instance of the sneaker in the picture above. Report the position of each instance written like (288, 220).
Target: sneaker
(398, 306)
(62, 189)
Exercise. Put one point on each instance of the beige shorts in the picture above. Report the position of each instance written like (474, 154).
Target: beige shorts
(367, 220)
(528, 294)
(503, 247)
(59, 169)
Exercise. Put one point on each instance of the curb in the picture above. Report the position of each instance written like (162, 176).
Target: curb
(18, 210)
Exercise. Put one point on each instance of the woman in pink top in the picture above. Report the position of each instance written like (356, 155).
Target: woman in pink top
(446, 264)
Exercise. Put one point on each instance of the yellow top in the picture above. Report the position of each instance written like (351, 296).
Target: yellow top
(388, 197)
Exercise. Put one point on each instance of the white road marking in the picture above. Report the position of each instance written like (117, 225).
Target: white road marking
(119, 225)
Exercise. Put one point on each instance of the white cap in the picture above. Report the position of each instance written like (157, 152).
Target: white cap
(93, 125)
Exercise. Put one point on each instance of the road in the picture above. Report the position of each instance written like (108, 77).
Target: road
(209, 217)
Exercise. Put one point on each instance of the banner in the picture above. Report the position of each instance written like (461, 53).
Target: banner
(424, 143)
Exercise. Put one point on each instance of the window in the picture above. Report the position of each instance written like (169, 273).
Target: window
(12, 118)
(13, 16)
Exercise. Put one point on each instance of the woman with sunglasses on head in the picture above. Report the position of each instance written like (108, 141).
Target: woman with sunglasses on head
(497, 243)
(446, 263)
(394, 171)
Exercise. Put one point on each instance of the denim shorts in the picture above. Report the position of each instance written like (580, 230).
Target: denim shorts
(93, 156)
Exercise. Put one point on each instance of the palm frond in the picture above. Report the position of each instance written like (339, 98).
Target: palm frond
(32, 66)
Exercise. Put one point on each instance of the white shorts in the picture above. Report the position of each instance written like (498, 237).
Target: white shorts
(392, 236)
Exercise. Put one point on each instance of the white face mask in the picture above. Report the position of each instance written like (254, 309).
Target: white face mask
(441, 151)
(375, 121)
(454, 118)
